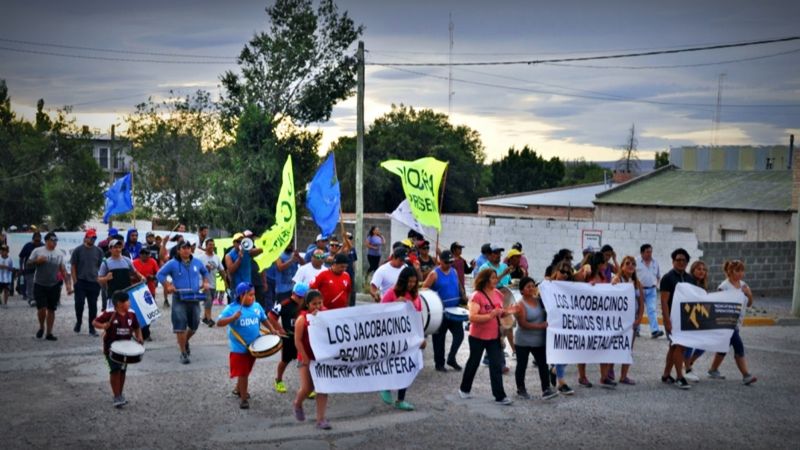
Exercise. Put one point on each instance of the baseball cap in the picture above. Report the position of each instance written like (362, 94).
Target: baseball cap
(496, 248)
(340, 259)
(513, 252)
(300, 289)
(400, 253)
(238, 237)
(455, 245)
(113, 231)
(486, 248)
(321, 237)
(90, 233)
(183, 244)
(446, 256)
(114, 243)
(149, 233)
(243, 288)
(407, 243)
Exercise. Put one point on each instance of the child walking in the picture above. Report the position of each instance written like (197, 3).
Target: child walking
(312, 303)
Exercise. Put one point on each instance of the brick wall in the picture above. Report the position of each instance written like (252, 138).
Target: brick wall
(769, 266)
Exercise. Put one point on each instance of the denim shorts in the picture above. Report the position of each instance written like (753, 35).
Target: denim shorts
(185, 315)
(737, 344)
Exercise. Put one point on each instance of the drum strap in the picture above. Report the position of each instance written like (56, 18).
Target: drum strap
(239, 337)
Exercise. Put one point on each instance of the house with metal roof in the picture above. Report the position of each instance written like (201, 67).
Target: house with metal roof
(717, 205)
(565, 203)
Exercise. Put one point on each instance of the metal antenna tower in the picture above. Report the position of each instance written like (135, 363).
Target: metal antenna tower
(450, 67)
(717, 112)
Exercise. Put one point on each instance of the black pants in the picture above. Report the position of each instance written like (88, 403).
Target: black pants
(374, 262)
(88, 292)
(495, 353)
(457, 330)
(540, 356)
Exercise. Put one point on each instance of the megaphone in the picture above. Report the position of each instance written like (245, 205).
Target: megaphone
(247, 244)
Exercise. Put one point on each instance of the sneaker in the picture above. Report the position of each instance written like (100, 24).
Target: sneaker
(455, 366)
(691, 376)
(205, 321)
(323, 425)
(39, 334)
(548, 394)
(608, 384)
(585, 382)
(565, 390)
(504, 401)
(280, 387)
(441, 369)
(749, 379)
(667, 379)
(628, 381)
(715, 375)
(118, 403)
(77, 328)
(185, 358)
(124, 400)
(50, 337)
(523, 395)
(656, 334)
(299, 414)
(464, 395)
(682, 383)
(386, 396)
(244, 404)
(403, 405)
(210, 323)
(312, 395)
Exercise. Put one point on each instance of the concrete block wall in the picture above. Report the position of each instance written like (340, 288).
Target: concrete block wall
(769, 266)
(541, 239)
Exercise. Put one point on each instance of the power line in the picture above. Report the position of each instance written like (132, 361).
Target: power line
(593, 58)
(111, 50)
(110, 58)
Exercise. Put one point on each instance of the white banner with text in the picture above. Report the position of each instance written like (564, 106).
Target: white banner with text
(702, 320)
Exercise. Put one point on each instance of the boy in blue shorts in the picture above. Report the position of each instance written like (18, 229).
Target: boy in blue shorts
(244, 318)
(119, 325)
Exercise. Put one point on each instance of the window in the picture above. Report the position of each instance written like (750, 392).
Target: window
(103, 158)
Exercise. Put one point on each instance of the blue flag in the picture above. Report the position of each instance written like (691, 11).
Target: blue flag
(324, 198)
(118, 198)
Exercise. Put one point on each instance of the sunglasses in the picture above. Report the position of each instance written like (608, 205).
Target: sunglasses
(319, 256)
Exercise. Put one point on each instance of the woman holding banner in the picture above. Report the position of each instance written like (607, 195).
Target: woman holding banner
(485, 310)
(598, 275)
(312, 303)
(530, 338)
(627, 274)
(405, 290)
(699, 272)
(562, 271)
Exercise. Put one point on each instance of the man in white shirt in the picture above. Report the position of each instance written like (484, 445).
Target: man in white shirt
(649, 275)
(386, 276)
(308, 271)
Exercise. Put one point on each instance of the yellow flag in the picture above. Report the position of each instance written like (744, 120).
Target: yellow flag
(275, 240)
(421, 180)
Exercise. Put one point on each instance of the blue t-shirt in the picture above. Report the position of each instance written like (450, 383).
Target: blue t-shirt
(500, 268)
(248, 325)
(480, 260)
(242, 274)
(283, 280)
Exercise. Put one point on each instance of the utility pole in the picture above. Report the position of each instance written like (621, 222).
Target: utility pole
(795, 194)
(359, 228)
(111, 164)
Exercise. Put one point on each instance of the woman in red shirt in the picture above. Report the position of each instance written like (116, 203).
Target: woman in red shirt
(406, 289)
(485, 310)
(312, 303)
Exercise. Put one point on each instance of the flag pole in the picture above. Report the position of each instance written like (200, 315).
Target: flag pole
(441, 206)
(133, 203)
(341, 215)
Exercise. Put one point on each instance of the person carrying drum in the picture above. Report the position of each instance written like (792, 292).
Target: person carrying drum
(119, 325)
(444, 280)
(188, 287)
(243, 318)
(282, 318)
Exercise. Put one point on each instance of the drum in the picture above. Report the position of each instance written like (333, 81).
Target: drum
(266, 345)
(126, 352)
(432, 311)
(509, 298)
(456, 313)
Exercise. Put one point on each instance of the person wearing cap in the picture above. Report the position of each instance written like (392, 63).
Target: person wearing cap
(49, 265)
(28, 270)
(514, 258)
(460, 264)
(426, 262)
(243, 318)
(321, 242)
(334, 284)
(132, 244)
(84, 264)
(444, 281)
(334, 248)
(104, 243)
(282, 318)
(116, 271)
(188, 287)
(147, 266)
(494, 262)
(307, 272)
(238, 261)
(486, 251)
(523, 261)
(386, 276)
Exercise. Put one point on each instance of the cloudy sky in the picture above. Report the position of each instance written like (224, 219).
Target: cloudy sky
(581, 109)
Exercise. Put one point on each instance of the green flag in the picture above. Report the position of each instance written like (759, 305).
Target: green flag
(275, 240)
(421, 180)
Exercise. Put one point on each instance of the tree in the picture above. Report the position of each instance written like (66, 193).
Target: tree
(580, 171)
(173, 143)
(524, 170)
(629, 162)
(407, 134)
(290, 75)
(662, 159)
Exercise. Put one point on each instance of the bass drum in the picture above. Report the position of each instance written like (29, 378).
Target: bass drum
(509, 298)
(432, 311)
